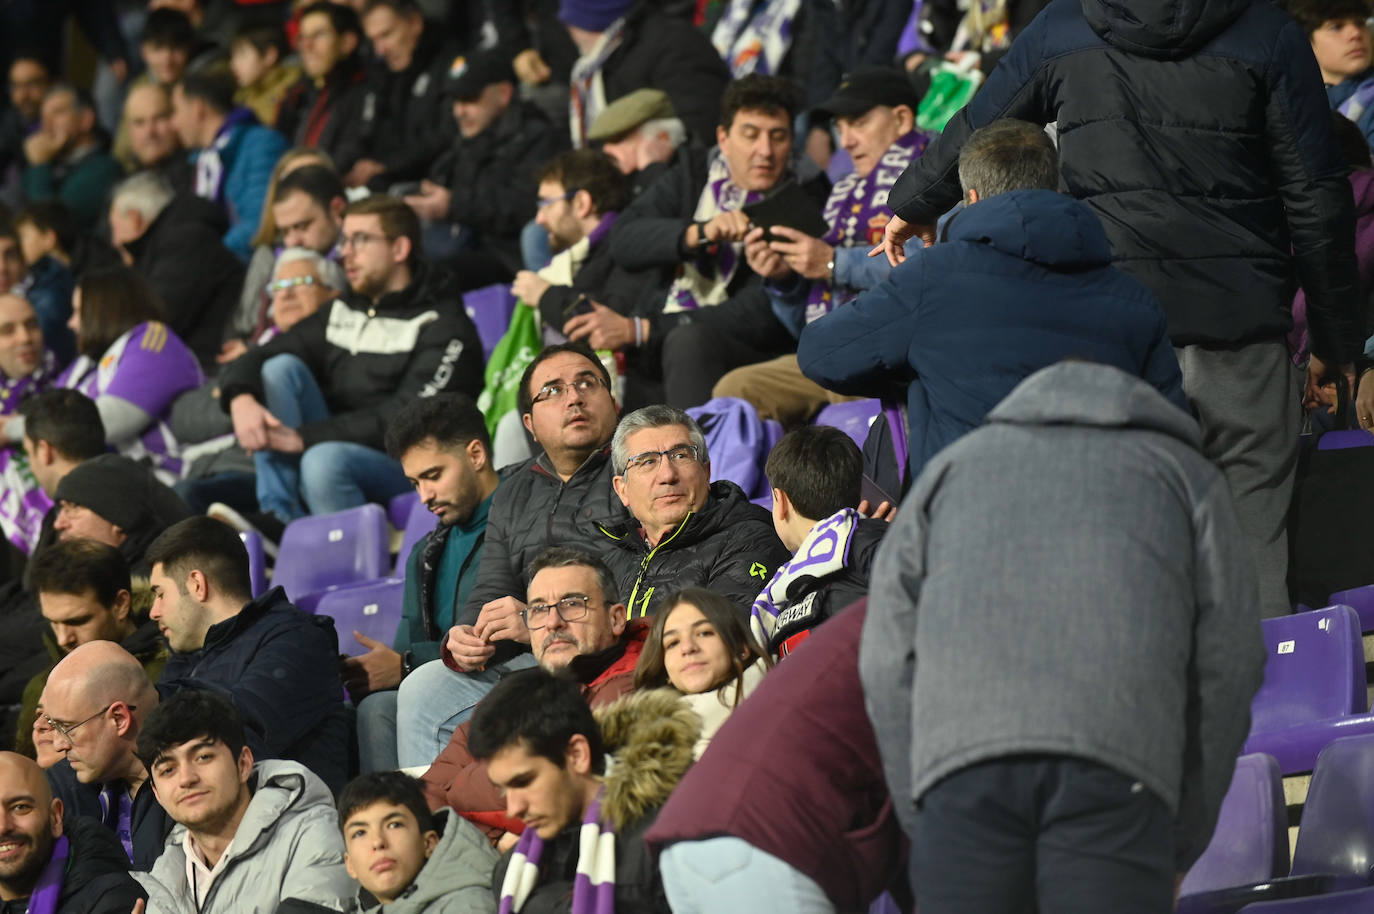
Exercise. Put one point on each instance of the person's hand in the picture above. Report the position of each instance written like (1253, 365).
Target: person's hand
(507, 841)
(431, 203)
(284, 440)
(139, 907)
(471, 652)
(762, 259)
(819, 147)
(41, 146)
(1317, 394)
(530, 68)
(913, 61)
(886, 510)
(897, 234)
(251, 421)
(377, 670)
(500, 620)
(529, 287)
(363, 170)
(601, 328)
(231, 350)
(811, 257)
(730, 227)
(970, 59)
(1364, 400)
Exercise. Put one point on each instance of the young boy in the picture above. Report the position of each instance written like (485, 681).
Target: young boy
(1339, 32)
(399, 851)
(255, 57)
(47, 234)
(816, 473)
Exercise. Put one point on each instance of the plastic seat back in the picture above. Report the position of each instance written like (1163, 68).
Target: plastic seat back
(374, 609)
(1250, 843)
(1337, 831)
(1314, 671)
(328, 550)
(257, 562)
(490, 308)
(852, 418)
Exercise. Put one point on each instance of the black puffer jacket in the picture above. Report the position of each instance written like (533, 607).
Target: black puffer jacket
(406, 116)
(729, 546)
(97, 880)
(1199, 132)
(327, 117)
(370, 359)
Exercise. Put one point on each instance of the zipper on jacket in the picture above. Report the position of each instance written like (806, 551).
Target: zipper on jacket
(644, 568)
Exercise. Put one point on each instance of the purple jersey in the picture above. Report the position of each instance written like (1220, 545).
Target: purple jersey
(23, 504)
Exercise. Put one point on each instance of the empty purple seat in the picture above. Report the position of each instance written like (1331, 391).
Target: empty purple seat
(399, 508)
(421, 521)
(1340, 440)
(1360, 599)
(490, 308)
(374, 609)
(257, 562)
(852, 418)
(328, 550)
(1250, 843)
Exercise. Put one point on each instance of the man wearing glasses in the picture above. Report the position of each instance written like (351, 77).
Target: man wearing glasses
(575, 622)
(95, 703)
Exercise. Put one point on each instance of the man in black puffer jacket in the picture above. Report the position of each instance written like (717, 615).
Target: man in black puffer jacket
(1199, 133)
(686, 531)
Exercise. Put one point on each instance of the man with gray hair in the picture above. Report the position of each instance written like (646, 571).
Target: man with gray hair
(685, 531)
(1023, 280)
(174, 243)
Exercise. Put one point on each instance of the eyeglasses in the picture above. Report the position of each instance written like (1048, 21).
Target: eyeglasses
(572, 608)
(646, 462)
(568, 196)
(66, 731)
(557, 390)
(281, 285)
(358, 239)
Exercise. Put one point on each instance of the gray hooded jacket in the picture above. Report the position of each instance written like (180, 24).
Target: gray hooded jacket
(1068, 579)
(287, 846)
(456, 879)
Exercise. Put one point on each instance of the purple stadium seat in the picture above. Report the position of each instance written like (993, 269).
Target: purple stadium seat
(420, 522)
(1250, 844)
(852, 418)
(1360, 599)
(374, 609)
(1340, 440)
(257, 563)
(490, 308)
(399, 508)
(1355, 901)
(324, 551)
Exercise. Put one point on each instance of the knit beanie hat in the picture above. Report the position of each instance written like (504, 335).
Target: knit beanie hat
(592, 15)
(126, 494)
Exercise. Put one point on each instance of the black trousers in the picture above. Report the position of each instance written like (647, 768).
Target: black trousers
(711, 341)
(1047, 834)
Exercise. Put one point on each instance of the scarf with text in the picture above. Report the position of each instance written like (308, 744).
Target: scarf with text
(587, 98)
(824, 552)
(755, 42)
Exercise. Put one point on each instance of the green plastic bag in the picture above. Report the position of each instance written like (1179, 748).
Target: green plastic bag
(512, 355)
(951, 87)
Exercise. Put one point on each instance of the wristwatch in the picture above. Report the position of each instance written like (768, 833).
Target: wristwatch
(701, 234)
(407, 663)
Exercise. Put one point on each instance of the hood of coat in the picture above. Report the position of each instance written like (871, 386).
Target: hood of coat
(462, 860)
(1091, 394)
(1042, 226)
(1161, 28)
(649, 737)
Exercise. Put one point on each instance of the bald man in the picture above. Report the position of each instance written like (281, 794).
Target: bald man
(32, 833)
(95, 701)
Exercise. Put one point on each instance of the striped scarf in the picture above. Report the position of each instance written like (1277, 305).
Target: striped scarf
(594, 885)
(705, 278)
(587, 96)
(755, 42)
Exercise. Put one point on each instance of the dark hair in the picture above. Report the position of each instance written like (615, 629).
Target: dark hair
(398, 220)
(32, 56)
(7, 229)
(733, 631)
(206, 545)
(542, 710)
(68, 421)
(525, 399)
(769, 94)
(404, 8)
(343, 19)
(321, 184)
(819, 468)
(1312, 13)
(568, 556)
(214, 87)
(81, 99)
(114, 299)
(452, 420)
(77, 566)
(593, 171)
(168, 28)
(52, 216)
(188, 714)
(1350, 141)
(263, 36)
(394, 787)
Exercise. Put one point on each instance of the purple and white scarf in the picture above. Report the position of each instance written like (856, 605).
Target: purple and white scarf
(587, 97)
(857, 213)
(23, 503)
(14, 391)
(43, 898)
(594, 884)
(755, 43)
(209, 164)
(705, 278)
(824, 552)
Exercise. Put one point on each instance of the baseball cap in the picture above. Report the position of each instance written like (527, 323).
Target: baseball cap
(469, 74)
(866, 88)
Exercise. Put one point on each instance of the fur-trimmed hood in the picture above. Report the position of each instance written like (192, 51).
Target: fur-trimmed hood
(648, 737)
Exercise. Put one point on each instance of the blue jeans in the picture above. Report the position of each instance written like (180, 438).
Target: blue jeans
(377, 732)
(328, 477)
(729, 874)
(433, 701)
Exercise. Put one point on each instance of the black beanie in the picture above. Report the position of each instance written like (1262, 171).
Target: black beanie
(128, 495)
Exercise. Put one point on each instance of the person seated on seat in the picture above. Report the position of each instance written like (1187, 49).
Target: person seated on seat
(153, 141)
(684, 530)
(816, 475)
(28, 78)
(700, 646)
(642, 133)
(567, 406)
(279, 665)
(323, 109)
(576, 625)
(27, 368)
(399, 851)
(11, 256)
(257, 58)
(67, 157)
(173, 242)
(47, 237)
(95, 701)
(1339, 33)
(583, 293)
(874, 110)
(250, 835)
(311, 404)
(586, 787)
(116, 501)
(92, 873)
(61, 429)
(445, 452)
(689, 227)
(86, 594)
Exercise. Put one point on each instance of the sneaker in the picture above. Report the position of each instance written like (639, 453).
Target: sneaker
(266, 525)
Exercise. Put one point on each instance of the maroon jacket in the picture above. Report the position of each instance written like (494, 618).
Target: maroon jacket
(795, 772)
